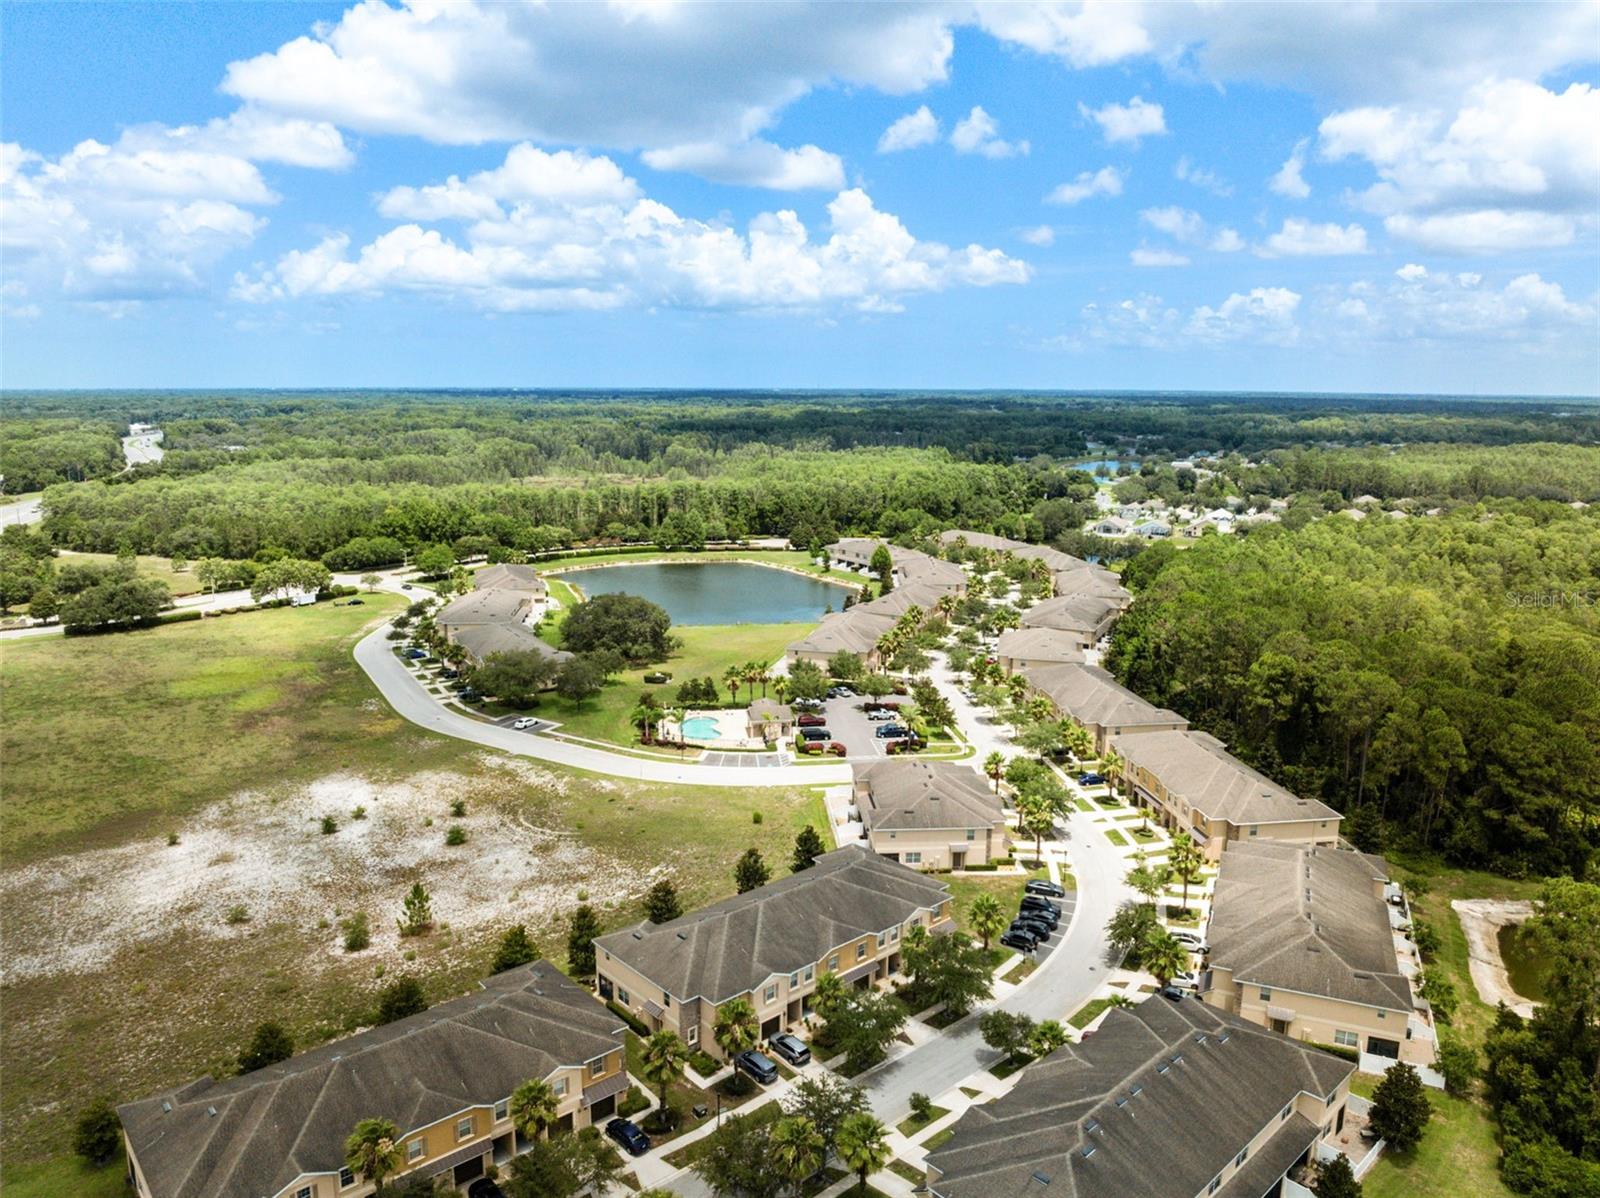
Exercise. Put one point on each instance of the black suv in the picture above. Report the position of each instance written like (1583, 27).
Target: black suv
(1036, 902)
(1020, 939)
(757, 1066)
(1045, 888)
(629, 1135)
(1040, 929)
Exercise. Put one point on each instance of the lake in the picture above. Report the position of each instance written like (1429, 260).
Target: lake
(715, 592)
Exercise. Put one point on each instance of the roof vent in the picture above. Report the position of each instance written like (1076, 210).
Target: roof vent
(1200, 1037)
(1088, 1150)
(1163, 1067)
(1364, 976)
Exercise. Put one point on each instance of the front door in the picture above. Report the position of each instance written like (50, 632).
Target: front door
(958, 858)
(1281, 1026)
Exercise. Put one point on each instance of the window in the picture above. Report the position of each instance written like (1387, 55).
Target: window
(811, 972)
(833, 963)
(694, 1034)
(560, 1087)
(794, 980)
(346, 1179)
(1253, 831)
(464, 1128)
(502, 1110)
(1266, 993)
(861, 950)
(416, 1149)
(771, 994)
(883, 939)
(666, 999)
(303, 1192)
(596, 1068)
(1346, 1039)
(894, 934)
(1243, 1152)
(1215, 1183)
(622, 996)
(1284, 1114)
(1382, 1014)
(972, 833)
(912, 858)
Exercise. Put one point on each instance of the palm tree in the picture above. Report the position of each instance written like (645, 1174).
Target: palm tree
(1078, 741)
(1036, 814)
(1186, 858)
(828, 994)
(641, 715)
(1164, 957)
(664, 1059)
(676, 715)
(371, 1152)
(797, 1147)
(1112, 766)
(995, 765)
(780, 687)
(763, 676)
(862, 1145)
(1148, 879)
(987, 916)
(533, 1107)
(735, 1029)
(1039, 708)
(733, 679)
(752, 671)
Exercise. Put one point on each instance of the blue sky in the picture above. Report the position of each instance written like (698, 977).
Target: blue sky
(1300, 197)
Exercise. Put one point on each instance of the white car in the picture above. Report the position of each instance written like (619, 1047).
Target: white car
(523, 724)
(1189, 940)
(1187, 980)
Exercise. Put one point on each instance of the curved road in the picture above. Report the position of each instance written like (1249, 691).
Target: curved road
(375, 655)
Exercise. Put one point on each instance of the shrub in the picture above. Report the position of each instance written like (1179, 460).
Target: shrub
(98, 1134)
(172, 838)
(456, 835)
(359, 812)
(329, 825)
(357, 935)
(237, 914)
(755, 817)
(921, 1106)
(270, 1044)
(632, 1102)
(400, 998)
(458, 807)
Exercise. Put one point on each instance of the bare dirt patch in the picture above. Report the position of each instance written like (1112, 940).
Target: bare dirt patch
(265, 852)
(1481, 921)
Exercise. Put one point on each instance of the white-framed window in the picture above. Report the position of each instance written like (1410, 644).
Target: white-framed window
(622, 996)
(894, 934)
(833, 963)
(911, 858)
(1383, 1014)
(811, 972)
(560, 1087)
(666, 999)
(1346, 1039)
(1266, 993)
(770, 994)
(1253, 831)
(464, 1128)
(1243, 1152)
(883, 939)
(596, 1068)
(303, 1192)
(694, 1034)
(1284, 1114)
(861, 950)
(502, 1110)
(1216, 1183)
(972, 834)
(347, 1178)
(794, 980)
(416, 1149)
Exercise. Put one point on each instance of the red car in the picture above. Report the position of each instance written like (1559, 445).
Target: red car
(811, 721)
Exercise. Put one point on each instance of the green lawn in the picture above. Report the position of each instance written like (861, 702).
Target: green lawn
(707, 650)
(1087, 1013)
(156, 721)
(912, 1124)
(179, 582)
(1008, 889)
(1116, 837)
(1457, 1155)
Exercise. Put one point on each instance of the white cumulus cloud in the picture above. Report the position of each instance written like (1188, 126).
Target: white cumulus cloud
(1107, 181)
(1040, 235)
(1148, 256)
(1289, 181)
(1131, 122)
(754, 163)
(1309, 239)
(919, 128)
(979, 133)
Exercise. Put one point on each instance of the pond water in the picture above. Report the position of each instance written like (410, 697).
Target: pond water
(1525, 963)
(716, 592)
(1111, 465)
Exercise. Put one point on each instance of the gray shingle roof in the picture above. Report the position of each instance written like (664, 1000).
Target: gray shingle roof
(1337, 942)
(482, 607)
(1072, 613)
(292, 1118)
(510, 577)
(1038, 644)
(1092, 696)
(853, 631)
(1195, 767)
(481, 640)
(908, 795)
(1183, 1126)
(730, 947)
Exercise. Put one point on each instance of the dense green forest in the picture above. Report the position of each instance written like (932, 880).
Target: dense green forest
(1443, 671)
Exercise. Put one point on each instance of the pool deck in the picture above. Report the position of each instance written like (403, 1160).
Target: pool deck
(730, 725)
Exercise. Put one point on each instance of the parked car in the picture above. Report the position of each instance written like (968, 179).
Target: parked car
(1090, 779)
(449, 672)
(790, 1048)
(811, 721)
(485, 1188)
(523, 724)
(405, 586)
(468, 695)
(1172, 993)
(1187, 980)
(1019, 939)
(356, 603)
(629, 1135)
(416, 654)
(878, 715)
(806, 704)
(1043, 918)
(1039, 902)
(1045, 888)
(815, 734)
(1038, 928)
(1192, 941)
(757, 1065)
(885, 731)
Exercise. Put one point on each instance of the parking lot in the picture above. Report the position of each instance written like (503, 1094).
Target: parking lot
(1067, 905)
(847, 721)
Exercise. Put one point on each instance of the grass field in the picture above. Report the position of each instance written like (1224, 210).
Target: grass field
(1457, 1155)
(707, 650)
(236, 733)
(179, 582)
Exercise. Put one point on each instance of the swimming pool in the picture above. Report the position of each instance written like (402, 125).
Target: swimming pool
(701, 727)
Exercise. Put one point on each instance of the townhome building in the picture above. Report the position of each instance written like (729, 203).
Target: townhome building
(909, 565)
(444, 1078)
(1190, 782)
(1304, 942)
(1163, 1100)
(497, 617)
(858, 628)
(1085, 618)
(1095, 699)
(846, 915)
(1068, 575)
(930, 814)
(1019, 649)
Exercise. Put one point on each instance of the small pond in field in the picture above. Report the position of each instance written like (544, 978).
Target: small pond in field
(1525, 962)
(715, 592)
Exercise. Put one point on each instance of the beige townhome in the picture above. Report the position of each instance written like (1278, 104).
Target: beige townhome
(1069, 575)
(1163, 1100)
(1019, 649)
(1095, 699)
(908, 565)
(930, 814)
(1190, 782)
(1084, 618)
(845, 915)
(444, 1078)
(508, 577)
(857, 629)
(494, 620)
(1303, 942)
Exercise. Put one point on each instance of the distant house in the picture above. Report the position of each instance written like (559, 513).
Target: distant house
(1164, 1100)
(1303, 942)
(930, 814)
(769, 720)
(1191, 783)
(1095, 699)
(845, 915)
(1019, 648)
(444, 1077)
(1153, 528)
(506, 577)
(1111, 526)
(1354, 513)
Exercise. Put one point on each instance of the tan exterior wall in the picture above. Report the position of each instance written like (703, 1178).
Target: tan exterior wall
(938, 846)
(1213, 835)
(788, 992)
(1015, 665)
(1104, 732)
(1319, 1018)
